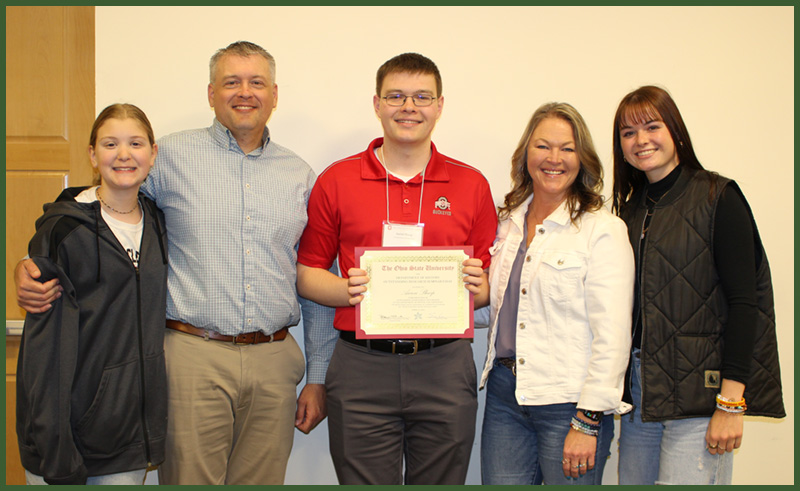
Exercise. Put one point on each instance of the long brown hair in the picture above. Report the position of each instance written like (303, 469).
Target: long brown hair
(584, 194)
(647, 103)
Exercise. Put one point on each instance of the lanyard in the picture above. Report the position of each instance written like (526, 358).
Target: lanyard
(382, 160)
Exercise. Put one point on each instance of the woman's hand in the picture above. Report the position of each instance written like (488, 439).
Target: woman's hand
(724, 432)
(725, 429)
(579, 452)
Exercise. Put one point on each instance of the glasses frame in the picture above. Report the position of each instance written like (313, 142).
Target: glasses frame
(414, 98)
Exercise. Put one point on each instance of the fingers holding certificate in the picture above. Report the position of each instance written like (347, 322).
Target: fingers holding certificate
(474, 276)
(416, 292)
(356, 284)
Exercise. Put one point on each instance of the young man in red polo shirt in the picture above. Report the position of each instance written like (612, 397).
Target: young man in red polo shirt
(386, 408)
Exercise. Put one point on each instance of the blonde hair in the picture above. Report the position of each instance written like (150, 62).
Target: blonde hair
(584, 194)
(119, 111)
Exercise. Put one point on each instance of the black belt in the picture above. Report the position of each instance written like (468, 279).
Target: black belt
(395, 346)
(509, 363)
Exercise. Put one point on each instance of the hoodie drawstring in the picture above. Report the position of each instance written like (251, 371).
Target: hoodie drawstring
(154, 210)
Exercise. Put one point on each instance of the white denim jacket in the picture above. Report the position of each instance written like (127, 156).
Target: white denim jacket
(573, 334)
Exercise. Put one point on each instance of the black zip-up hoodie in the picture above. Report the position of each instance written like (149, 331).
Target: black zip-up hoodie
(91, 379)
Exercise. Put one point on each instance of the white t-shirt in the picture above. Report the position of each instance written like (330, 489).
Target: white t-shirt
(129, 235)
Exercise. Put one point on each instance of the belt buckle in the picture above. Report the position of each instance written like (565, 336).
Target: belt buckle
(416, 346)
(239, 343)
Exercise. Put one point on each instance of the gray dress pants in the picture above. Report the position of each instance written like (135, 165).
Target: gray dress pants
(387, 411)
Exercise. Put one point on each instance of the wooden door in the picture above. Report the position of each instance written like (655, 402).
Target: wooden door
(50, 108)
(49, 114)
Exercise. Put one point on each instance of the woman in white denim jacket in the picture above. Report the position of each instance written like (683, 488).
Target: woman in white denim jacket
(561, 283)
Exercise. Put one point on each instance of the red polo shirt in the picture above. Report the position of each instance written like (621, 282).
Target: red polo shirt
(347, 208)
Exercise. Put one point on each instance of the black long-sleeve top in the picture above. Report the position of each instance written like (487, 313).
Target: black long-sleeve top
(736, 259)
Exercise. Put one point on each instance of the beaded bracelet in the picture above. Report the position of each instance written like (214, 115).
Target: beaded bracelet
(584, 427)
(734, 410)
(730, 406)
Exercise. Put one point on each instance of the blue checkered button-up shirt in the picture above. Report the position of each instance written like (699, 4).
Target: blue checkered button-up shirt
(233, 222)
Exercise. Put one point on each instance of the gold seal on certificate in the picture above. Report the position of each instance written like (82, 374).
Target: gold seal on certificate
(414, 292)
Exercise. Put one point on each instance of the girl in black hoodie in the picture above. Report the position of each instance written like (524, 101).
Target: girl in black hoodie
(91, 386)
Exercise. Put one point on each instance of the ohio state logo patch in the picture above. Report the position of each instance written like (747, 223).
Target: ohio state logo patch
(441, 206)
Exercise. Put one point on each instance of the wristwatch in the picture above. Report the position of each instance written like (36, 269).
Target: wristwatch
(595, 416)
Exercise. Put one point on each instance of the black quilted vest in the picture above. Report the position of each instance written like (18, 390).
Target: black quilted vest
(685, 310)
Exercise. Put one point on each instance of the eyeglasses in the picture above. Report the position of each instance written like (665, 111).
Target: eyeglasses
(420, 100)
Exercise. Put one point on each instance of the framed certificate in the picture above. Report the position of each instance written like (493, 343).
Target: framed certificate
(414, 292)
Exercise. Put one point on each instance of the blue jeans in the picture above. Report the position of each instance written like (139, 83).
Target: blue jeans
(525, 444)
(131, 477)
(666, 452)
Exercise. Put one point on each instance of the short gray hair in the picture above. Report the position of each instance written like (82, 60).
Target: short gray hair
(241, 48)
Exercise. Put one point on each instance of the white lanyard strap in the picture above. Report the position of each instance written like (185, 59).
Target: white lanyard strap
(382, 160)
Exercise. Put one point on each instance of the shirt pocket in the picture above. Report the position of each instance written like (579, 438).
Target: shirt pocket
(560, 275)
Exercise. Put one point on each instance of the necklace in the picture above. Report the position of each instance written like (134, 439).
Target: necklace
(651, 209)
(97, 192)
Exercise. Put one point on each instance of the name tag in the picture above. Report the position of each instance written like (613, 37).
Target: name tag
(402, 234)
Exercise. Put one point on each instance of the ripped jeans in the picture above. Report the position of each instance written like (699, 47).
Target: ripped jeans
(667, 452)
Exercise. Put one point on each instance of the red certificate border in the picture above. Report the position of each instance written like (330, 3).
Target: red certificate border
(469, 333)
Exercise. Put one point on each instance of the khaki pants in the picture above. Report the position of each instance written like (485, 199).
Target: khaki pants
(231, 410)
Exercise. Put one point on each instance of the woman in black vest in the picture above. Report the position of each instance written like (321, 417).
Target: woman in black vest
(703, 317)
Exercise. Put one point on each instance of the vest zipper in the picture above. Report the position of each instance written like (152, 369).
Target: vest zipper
(639, 316)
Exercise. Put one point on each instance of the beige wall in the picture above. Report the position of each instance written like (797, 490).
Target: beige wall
(730, 69)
